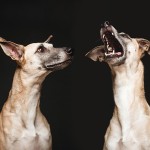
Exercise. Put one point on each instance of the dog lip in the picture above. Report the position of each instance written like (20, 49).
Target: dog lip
(59, 64)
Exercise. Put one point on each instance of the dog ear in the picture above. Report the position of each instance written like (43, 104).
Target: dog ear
(11, 49)
(144, 45)
(97, 53)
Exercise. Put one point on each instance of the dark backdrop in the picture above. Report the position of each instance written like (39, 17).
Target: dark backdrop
(77, 101)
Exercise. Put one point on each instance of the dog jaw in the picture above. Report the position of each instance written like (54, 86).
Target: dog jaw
(118, 48)
(114, 45)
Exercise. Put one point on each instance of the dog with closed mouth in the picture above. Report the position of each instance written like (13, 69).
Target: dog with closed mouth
(129, 127)
(22, 124)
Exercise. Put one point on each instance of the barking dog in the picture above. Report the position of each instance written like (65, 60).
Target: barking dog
(129, 128)
(22, 125)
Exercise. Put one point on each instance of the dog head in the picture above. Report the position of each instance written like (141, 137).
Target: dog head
(38, 57)
(118, 48)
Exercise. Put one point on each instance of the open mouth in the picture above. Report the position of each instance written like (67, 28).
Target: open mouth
(113, 48)
(64, 63)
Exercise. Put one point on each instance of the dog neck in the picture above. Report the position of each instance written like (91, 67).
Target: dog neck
(24, 96)
(129, 97)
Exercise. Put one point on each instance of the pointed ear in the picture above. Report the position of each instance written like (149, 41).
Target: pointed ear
(97, 53)
(13, 50)
(144, 45)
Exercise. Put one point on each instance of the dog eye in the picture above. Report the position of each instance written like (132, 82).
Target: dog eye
(41, 49)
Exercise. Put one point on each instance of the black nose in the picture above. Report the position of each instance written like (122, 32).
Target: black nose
(106, 23)
(69, 51)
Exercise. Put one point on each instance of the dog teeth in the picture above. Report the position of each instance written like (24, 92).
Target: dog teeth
(112, 33)
(110, 49)
(106, 54)
(103, 36)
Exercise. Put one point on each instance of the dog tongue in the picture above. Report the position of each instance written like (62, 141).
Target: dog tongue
(118, 54)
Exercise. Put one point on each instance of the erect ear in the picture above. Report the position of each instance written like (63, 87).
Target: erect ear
(97, 53)
(13, 50)
(144, 45)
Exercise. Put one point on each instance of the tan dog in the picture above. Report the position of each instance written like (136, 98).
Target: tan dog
(129, 127)
(22, 125)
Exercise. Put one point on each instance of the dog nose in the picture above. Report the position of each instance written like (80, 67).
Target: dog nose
(69, 51)
(106, 23)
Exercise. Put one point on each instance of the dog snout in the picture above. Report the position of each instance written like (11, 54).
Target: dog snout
(106, 23)
(69, 51)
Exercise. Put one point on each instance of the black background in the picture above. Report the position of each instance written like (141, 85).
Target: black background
(77, 101)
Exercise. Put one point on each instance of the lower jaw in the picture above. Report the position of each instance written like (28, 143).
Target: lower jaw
(115, 61)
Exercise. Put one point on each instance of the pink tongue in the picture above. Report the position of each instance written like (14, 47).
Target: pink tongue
(118, 53)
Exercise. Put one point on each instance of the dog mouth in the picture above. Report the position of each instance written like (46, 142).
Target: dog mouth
(59, 65)
(113, 47)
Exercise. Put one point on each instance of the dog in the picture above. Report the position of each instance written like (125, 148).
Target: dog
(129, 127)
(22, 124)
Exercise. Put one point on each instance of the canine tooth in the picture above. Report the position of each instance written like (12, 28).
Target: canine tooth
(106, 54)
(112, 33)
(109, 48)
(103, 35)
